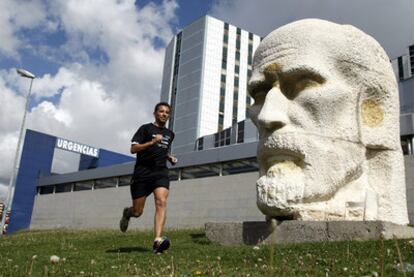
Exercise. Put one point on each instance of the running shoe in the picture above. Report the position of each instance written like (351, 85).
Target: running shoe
(123, 224)
(160, 246)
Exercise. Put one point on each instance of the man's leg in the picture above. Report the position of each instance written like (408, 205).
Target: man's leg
(135, 211)
(160, 198)
(137, 207)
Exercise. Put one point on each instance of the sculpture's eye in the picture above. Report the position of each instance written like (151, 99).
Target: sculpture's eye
(292, 84)
(304, 83)
(258, 91)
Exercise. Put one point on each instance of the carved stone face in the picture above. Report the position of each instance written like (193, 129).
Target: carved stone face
(306, 114)
(327, 111)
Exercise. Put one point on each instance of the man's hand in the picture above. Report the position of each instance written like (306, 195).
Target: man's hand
(138, 147)
(156, 139)
(173, 160)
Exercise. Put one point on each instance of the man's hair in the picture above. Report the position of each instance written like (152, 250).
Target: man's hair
(162, 104)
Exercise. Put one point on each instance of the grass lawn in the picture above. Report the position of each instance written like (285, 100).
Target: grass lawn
(111, 253)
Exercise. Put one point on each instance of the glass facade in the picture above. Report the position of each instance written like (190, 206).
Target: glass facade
(63, 188)
(84, 185)
(249, 69)
(106, 183)
(400, 69)
(175, 174)
(240, 132)
(223, 77)
(207, 66)
(124, 180)
(174, 80)
(411, 53)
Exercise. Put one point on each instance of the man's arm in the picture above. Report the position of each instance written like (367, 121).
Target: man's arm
(138, 147)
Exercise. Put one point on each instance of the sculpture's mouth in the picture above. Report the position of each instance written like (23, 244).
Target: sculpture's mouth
(279, 161)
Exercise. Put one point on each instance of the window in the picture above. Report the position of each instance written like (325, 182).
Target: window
(221, 107)
(46, 189)
(221, 121)
(200, 143)
(411, 51)
(222, 137)
(240, 166)
(223, 79)
(174, 80)
(106, 183)
(227, 136)
(400, 68)
(173, 174)
(250, 55)
(86, 185)
(216, 139)
(63, 187)
(235, 99)
(240, 132)
(124, 180)
(235, 112)
(224, 53)
(200, 171)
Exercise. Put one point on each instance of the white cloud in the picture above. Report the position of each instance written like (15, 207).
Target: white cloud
(8, 143)
(15, 15)
(10, 111)
(3, 192)
(51, 85)
(101, 102)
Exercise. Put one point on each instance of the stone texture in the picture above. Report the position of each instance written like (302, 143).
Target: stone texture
(327, 111)
(261, 232)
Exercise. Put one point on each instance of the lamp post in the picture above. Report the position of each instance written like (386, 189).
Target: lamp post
(12, 184)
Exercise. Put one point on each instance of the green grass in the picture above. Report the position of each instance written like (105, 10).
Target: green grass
(111, 253)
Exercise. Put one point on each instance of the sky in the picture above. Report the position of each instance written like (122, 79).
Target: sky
(99, 62)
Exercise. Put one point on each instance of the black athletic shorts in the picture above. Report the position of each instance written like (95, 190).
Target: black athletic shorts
(146, 179)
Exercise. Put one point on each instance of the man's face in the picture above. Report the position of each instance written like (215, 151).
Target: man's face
(306, 115)
(162, 114)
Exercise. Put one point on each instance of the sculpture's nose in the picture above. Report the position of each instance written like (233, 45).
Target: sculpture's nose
(273, 114)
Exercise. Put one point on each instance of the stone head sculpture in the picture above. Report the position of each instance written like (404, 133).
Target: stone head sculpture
(327, 111)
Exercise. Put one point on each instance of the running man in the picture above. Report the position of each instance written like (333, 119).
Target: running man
(151, 143)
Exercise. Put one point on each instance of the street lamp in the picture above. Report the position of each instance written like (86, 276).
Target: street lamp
(12, 184)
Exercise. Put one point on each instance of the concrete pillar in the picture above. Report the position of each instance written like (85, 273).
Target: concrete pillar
(411, 144)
